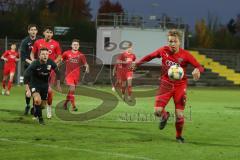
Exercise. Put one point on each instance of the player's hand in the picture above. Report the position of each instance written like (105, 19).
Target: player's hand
(28, 61)
(28, 92)
(59, 88)
(5, 59)
(196, 74)
(87, 69)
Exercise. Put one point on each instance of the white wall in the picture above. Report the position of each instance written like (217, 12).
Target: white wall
(144, 41)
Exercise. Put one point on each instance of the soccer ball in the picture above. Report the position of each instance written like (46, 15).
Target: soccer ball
(175, 72)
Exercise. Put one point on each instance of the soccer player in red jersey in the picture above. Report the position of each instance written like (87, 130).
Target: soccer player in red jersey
(10, 57)
(54, 51)
(126, 59)
(73, 59)
(172, 55)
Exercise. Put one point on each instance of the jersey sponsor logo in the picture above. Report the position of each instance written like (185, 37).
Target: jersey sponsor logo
(73, 60)
(49, 67)
(44, 74)
(171, 63)
(129, 59)
(12, 56)
(38, 69)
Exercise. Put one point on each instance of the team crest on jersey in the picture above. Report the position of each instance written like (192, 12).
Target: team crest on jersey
(49, 67)
(180, 60)
(52, 46)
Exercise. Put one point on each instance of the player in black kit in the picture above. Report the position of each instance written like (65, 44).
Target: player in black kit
(25, 50)
(36, 78)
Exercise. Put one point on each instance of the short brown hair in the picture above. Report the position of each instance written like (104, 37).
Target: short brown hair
(31, 26)
(76, 40)
(43, 49)
(48, 28)
(175, 33)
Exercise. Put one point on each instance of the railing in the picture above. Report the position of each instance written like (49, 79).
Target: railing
(127, 20)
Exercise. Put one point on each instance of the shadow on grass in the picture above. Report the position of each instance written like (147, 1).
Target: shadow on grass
(14, 112)
(213, 144)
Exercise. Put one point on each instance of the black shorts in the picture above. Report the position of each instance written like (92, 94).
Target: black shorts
(43, 91)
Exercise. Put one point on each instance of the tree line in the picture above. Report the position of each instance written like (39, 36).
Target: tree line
(76, 14)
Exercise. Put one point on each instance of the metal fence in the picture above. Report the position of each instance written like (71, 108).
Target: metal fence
(131, 20)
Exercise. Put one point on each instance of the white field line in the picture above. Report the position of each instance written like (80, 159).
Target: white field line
(122, 155)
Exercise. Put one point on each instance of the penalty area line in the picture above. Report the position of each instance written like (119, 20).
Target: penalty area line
(78, 149)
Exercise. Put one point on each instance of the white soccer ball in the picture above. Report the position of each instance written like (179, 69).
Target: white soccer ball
(175, 72)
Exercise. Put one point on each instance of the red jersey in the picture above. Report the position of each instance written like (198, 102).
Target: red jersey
(118, 64)
(11, 57)
(127, 60)
(73, 60)
(52, 46)
(181, 58)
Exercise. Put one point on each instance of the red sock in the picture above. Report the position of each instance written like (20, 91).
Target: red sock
(4, 84)
(73, 101)
(50, 97)
(179, 126)
(71, 98)
(67, 99)
(9, 85)
(163, 113)
(129, 90)
(66, 102)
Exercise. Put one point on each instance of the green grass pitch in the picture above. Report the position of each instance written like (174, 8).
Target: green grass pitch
(128, 132)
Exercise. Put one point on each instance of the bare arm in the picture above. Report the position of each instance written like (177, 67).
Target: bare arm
(32, 58)
(3, 58)
(58, 59)
(86, 67)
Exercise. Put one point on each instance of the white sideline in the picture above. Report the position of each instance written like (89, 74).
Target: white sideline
(78, 149)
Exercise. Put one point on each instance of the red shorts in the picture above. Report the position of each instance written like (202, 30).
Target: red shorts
(72, 79)
(9, 69)
(168, 90)
(127, 75)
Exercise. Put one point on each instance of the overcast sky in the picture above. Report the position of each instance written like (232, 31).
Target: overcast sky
(189, 10)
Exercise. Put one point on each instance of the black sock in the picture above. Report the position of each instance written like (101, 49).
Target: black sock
(38, 111)
(27, 100)
(33, 111)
